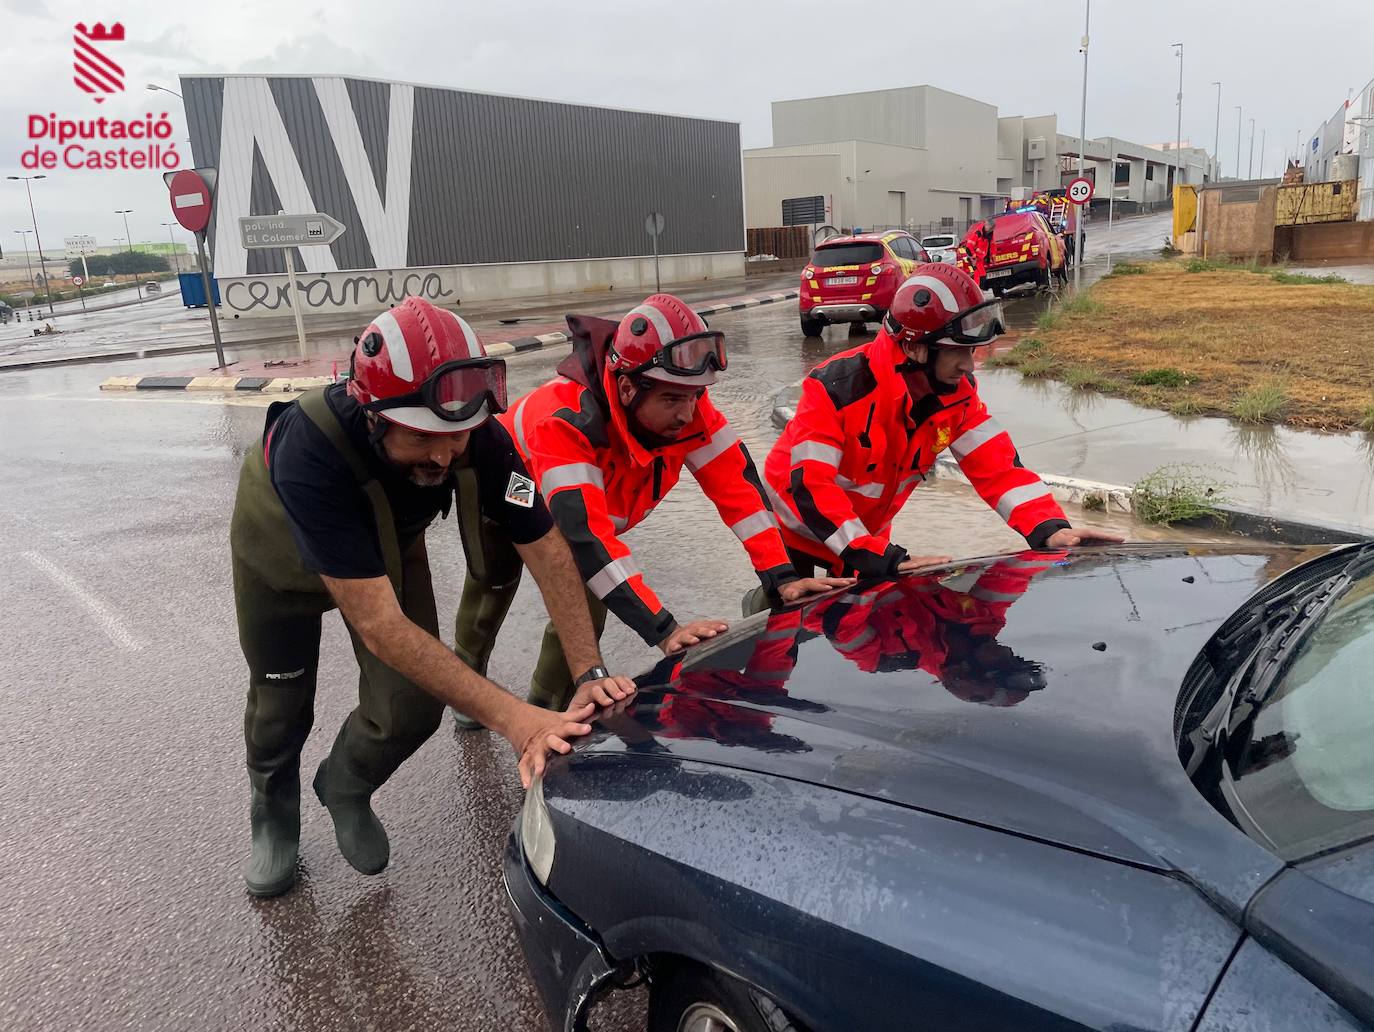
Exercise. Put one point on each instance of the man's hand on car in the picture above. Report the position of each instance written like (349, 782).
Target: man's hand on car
(920, 562)
(536, 733)
(606, 691)
(795, 591)
(692, 633)
(1072, 537)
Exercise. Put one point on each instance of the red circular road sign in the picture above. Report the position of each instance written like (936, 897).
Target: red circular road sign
(190, 200)
(77, 281)
(1080, 191)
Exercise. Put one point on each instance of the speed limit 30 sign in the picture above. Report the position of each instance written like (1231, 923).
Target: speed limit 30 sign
(1080, 191)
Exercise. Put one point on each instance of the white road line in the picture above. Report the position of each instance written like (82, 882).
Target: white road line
(109, 621)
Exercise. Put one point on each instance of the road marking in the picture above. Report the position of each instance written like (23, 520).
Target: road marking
(109, 621)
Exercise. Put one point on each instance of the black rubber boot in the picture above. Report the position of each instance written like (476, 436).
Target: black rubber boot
(276, 820)
(362, 839)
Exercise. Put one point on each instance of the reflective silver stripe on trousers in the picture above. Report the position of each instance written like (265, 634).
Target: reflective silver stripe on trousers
(725, 438)
(1007, 504)
(611, 576)
(816, 451)
(847, 532)
(571, 475)
(867, 490)
(971, 440)
(755, 524)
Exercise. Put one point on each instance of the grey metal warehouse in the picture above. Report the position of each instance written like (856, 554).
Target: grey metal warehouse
(457, 196)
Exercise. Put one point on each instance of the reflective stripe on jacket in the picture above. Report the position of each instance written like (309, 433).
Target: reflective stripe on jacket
(860, 442)
(599, 481)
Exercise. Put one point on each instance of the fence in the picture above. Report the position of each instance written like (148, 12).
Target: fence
(785, 242)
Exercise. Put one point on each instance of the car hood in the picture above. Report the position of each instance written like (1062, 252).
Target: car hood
(1031, 693)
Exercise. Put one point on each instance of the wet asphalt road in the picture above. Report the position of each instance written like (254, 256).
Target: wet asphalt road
(125, 803)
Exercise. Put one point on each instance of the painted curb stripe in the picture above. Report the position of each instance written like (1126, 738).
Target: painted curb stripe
(155, 383)
(252, 383)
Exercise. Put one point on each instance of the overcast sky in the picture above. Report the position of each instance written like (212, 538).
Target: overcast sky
(1290, 66)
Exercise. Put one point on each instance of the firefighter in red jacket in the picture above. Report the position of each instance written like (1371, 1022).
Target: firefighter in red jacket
(606, 442)
(872, 420)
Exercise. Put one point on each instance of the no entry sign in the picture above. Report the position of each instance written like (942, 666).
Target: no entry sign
(1080, 191)
(191, 198)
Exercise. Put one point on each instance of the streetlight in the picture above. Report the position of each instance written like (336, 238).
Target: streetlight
(24, 239)
(1216, 137)
(129, 240)
(1178, 140)
(1252, 150)
(1262, 136)
(171, 240)
(42, 262)
(1237, 141)
(163, 89)
(1082, 146)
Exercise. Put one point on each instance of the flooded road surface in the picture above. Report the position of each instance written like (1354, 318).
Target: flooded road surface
(125, 804)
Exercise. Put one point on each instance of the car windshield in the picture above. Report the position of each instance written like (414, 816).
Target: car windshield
(937, 241)
(847, 254)
(1303, 774)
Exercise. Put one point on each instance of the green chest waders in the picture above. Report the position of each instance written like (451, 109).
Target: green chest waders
(279, 605)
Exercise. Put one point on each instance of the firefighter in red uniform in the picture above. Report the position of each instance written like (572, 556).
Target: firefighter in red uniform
(606, 442)
(872, 420)
(975, 252)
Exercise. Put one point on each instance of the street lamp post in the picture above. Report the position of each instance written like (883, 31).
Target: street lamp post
(24, 240)
(163, 89)
(129, 242)
(42, 261)
(1178, 139)
(1082, 146)
(1251, 174)
(1263, 133)
(171, 240)
(1216, 137)
(1238, 118)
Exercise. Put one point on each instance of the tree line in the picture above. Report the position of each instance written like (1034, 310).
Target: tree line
(123, 263)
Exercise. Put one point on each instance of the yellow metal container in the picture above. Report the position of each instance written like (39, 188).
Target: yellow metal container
(1305, 203)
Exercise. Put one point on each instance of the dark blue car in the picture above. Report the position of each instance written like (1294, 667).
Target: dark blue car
(1129, 788)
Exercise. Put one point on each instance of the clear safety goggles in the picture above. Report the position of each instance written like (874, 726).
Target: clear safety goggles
(973, 326)
(689, 356)
(456, 391)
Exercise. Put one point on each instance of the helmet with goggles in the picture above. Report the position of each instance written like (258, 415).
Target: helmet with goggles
(422, 367)
(664, 340)
(941, 304)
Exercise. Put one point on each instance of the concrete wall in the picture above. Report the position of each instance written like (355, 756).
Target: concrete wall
(895, 117)
(1237, 220)
(370, 291)
(769, 179)
(961, 140)
(1343, 240)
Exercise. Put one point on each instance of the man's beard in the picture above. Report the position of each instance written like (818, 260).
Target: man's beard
(428, 475)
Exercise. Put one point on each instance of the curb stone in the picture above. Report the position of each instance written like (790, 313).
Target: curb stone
(1235, 519)
(301, 383)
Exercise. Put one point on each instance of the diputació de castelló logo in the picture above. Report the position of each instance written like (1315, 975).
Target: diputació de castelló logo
(93, 144)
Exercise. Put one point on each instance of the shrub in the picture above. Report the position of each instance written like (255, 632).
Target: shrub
(1166, 377)
(1262, 404)
(1178, 492)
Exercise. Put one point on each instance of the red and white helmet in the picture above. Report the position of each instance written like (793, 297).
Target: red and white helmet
(663, 339)
(422, 367)
(942, 304)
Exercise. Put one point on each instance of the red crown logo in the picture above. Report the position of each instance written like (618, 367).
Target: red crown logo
(99, 34)
(95, 72)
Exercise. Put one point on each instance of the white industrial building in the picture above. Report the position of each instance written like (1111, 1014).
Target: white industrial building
(923, 159)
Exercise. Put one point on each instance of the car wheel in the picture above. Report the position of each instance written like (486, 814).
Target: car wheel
(811, 326)
(696, 999)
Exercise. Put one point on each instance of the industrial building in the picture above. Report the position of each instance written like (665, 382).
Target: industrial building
(458, 196)
(923, 159)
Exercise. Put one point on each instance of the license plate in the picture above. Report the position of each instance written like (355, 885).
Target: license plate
(1000, 272)
(842, 281)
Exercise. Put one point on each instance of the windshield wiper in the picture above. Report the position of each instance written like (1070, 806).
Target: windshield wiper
(1277, 645)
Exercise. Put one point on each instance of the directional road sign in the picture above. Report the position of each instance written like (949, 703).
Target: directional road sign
(260, 231)
(653, 223)
(1080, 191)
(191, 190)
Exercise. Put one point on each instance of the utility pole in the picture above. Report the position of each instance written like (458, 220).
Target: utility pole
(1216, 138)
(1178, 139)
(1082, 146)
(1251, 174)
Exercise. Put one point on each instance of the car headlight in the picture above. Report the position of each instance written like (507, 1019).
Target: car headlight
(536, 832)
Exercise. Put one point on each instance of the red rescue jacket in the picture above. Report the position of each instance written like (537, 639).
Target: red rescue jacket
(599, 480)
(862, 439)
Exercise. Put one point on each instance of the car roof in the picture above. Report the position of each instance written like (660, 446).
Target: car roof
(864, 238)
(1087, 760)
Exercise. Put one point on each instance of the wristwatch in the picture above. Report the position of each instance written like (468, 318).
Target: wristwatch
(596, 673)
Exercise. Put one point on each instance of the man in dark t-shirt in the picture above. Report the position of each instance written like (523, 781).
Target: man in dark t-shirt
(331, 512)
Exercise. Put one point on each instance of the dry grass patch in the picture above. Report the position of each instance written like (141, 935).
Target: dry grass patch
(1231, 335)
